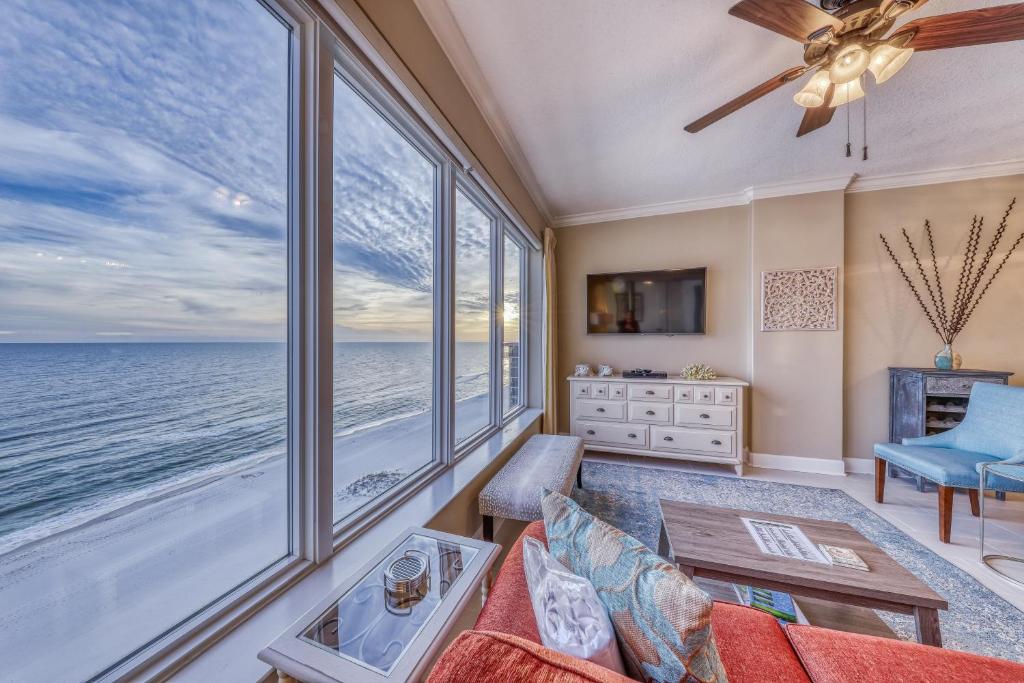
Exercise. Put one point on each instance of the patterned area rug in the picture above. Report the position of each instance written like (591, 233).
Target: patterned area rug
(977, 620)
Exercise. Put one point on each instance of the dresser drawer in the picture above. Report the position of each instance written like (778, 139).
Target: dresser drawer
(650, 392)
(599, 390)
(684, 394)
(725, 396)
(699, 440)
(654, 413)
(601, 410)
(722, 417)
(612, 434)
(581, 388)
(955, 386)
(704, 395)
(617, 391)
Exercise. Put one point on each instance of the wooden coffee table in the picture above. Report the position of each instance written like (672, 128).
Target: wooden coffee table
(713, 543)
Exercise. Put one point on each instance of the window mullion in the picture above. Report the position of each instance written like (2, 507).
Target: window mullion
(320, 479)
(444, 323)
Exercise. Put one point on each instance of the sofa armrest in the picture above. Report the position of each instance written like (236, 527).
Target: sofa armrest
(839, 657)
(483, 656)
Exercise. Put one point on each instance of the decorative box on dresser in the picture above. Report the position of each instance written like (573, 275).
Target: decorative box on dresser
(928, 401)
(665, 418)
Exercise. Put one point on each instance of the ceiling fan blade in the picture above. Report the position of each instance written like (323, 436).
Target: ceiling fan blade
(794, 19)
(973, 27)
(746, 98)
(818, 117)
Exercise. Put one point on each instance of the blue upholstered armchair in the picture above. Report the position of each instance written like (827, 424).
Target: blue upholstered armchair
(992, 433)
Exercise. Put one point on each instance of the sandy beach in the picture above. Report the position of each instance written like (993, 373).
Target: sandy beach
(128, 576)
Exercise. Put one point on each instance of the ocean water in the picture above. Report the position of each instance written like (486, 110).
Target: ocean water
(88, 428)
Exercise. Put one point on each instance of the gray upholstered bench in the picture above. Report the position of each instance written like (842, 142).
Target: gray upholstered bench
(546, 461)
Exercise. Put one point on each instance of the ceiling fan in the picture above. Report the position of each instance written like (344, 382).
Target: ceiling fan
(846, 38)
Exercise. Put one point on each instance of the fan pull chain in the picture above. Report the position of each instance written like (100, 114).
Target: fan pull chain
(849, 152)
(865, 123)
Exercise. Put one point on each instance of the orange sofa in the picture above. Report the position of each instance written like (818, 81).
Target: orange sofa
(504, 647)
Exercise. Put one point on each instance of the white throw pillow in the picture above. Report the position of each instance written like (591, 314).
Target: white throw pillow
(570, 617)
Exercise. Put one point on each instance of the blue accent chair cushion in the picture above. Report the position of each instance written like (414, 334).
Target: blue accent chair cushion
(991, 431)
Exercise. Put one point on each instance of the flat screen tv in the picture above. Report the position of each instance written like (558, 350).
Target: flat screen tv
(647, 302)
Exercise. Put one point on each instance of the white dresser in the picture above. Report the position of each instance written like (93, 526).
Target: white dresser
(667, 418)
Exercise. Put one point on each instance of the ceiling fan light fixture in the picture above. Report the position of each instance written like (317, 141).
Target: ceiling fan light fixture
(886, 60)
(846, 93)
(852, 61)
(813, 94)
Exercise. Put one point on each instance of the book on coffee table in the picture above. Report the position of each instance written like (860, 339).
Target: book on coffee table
(844, 557)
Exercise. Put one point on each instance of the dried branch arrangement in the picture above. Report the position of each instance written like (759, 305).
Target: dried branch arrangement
(949, 322)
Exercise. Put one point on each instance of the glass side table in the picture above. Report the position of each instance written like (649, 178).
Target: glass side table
(366, 631)
(1006, 471)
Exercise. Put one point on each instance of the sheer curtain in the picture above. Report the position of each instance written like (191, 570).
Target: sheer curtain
(550, 336)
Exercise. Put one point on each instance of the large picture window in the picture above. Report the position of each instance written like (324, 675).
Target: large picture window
(474, 311)
(384, 218)
(512, 356)
(144, 270)
(251, 301)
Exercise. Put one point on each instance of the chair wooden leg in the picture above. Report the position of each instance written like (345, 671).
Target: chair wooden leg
(975, 508)
(579, 476)
(488, 530)
(880, 466)
(945, 512)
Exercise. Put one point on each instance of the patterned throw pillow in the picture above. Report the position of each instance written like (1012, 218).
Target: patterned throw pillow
(662, 619)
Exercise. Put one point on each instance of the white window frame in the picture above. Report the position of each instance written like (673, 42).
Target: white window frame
(347, 64)
(316, 53)
(162, 655)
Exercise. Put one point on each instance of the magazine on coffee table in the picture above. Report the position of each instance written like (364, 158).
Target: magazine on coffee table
(783, 540)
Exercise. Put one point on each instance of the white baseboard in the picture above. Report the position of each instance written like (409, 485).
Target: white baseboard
(859, 465)
(795, 463)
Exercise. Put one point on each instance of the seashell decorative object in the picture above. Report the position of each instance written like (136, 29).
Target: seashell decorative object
(698, 371)
(604, 370)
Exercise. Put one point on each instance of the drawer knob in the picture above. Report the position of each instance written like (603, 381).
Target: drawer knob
(591, 432)
(649, 392)
(600, 410)
(632, 436)
(716, 442)
(705, 416)
(650, 412)
(669, 438)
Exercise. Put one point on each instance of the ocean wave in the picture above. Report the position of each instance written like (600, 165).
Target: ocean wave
(121, 503)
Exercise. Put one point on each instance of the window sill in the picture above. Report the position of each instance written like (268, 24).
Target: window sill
(233, 657)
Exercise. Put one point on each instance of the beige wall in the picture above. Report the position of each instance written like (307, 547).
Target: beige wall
(796, 377)
(884, 326)
(815, 394)
(717, 239)
(407, 33)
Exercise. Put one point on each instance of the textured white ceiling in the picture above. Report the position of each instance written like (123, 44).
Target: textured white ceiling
(596, 94)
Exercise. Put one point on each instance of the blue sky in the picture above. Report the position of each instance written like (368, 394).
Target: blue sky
(143, 178)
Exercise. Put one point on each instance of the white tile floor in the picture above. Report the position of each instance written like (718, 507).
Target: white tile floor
(913, 512)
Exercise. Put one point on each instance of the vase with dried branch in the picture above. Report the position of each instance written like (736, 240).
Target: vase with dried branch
(975, 279)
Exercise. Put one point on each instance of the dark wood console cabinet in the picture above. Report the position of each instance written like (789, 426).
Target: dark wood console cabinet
(928, 401)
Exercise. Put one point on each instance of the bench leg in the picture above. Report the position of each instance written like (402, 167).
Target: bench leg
(880, 480)
(945, 512)
(579, 476)
(488, 531)
(975, 507)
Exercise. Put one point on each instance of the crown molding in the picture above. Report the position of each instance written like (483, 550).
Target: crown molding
(685, 206)
(446, 29)
(704, 203)
(849, 184)
(937, 176)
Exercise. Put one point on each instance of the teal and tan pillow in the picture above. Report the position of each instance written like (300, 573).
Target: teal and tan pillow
(662, 619)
